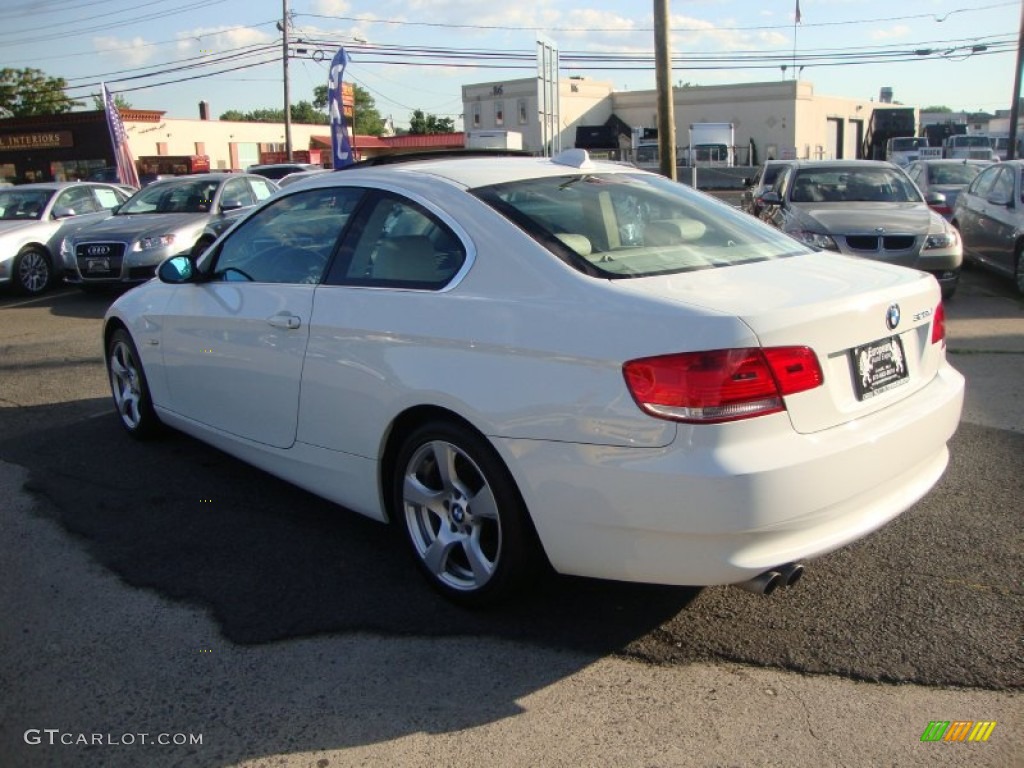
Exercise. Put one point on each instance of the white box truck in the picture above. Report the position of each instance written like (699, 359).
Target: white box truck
(481, 139)
(711, 144)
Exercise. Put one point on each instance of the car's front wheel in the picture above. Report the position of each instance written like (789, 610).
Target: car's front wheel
(32, 271)
(463, 515)
(129, 387)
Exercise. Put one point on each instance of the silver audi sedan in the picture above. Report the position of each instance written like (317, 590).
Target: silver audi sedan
(165, 218)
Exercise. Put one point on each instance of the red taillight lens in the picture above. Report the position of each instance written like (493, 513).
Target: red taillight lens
(943, 210)
(939, 325)
(722, 384)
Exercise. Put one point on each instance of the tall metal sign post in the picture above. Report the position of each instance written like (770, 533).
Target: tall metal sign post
(547, 96)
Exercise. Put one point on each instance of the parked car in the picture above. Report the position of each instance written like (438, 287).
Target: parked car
(947, 177)
(35, 218)
(866, 208)
(277, 171)
(526, 359)
(762, 181)
(990, 216)
(291, 178)
(164, 218)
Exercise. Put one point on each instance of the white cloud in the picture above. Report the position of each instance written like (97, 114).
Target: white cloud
(132, 53)
(215, 40)
(331, 7)
(899, 31)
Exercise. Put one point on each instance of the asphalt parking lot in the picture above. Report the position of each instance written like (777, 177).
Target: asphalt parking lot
(169, 587)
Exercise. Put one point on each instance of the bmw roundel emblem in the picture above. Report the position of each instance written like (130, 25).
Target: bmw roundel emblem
(892, 316)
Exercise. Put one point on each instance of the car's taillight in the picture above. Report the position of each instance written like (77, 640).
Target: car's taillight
(721, 384)
(942, 210)
(939, 325)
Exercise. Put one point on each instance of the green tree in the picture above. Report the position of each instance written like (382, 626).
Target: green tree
(420, 123)
(934, 108)
(26, 92)
(368, 119)
(119, 101)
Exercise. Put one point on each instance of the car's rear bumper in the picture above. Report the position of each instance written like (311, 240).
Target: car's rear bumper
(725, 503)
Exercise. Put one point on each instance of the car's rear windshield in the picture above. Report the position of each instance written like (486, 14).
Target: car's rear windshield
(953, 173)
(634, 225)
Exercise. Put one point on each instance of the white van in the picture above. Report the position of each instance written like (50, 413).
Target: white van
(904, 150)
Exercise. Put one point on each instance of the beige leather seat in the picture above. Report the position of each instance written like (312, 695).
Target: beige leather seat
(407, 258)
(673, 231)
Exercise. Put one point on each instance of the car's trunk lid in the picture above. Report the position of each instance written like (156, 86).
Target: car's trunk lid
(843, 309)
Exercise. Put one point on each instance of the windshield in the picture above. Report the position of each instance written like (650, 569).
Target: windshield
(908, 144)
(846, 185)
(634, 225)
(953, 173)
(971, 141)
(194, 196)
(24, 203)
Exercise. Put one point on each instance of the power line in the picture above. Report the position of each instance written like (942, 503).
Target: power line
(631, 30)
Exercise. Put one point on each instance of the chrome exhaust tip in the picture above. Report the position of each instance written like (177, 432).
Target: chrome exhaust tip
(791, 574)
(763, 584)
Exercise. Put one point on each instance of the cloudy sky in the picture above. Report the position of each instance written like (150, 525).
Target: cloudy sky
(415, 54)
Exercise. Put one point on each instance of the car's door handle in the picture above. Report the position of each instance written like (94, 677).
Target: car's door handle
(284, 320)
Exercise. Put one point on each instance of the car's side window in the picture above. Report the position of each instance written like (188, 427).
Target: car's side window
(290, 241)
(236, 190)
(261, 189)
(75, 201)
(400, 244)
(1002, 187)
(914, 172)
(108, 198)
(983, 183)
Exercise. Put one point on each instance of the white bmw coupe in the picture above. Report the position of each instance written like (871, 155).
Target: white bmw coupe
(527, 361)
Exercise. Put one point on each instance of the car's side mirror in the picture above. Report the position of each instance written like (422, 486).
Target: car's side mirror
(771, 198)
(231, 205)
(177, 270)
(935, 198)
(63, 212)
(748, 182)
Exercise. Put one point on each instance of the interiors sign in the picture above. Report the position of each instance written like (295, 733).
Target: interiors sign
(51, 140)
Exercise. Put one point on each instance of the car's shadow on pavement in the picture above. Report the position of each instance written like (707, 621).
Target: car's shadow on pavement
(933, 598)
(273, 562)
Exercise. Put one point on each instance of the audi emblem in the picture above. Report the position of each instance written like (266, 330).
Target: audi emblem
(97, 250)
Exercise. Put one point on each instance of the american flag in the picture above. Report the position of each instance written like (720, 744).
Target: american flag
(126, 172)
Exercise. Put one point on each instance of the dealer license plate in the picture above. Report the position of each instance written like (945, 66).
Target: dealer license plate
(97, 265)
(878, 367)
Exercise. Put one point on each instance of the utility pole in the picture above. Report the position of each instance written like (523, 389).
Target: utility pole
(663, 80)
(1011, 148)
(287, 93)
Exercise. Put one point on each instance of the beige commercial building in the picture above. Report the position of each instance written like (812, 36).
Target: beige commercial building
(782, 119)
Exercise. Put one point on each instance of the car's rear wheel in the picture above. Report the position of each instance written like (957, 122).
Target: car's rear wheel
(32, 271)
(129, 387)
(462, 515)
